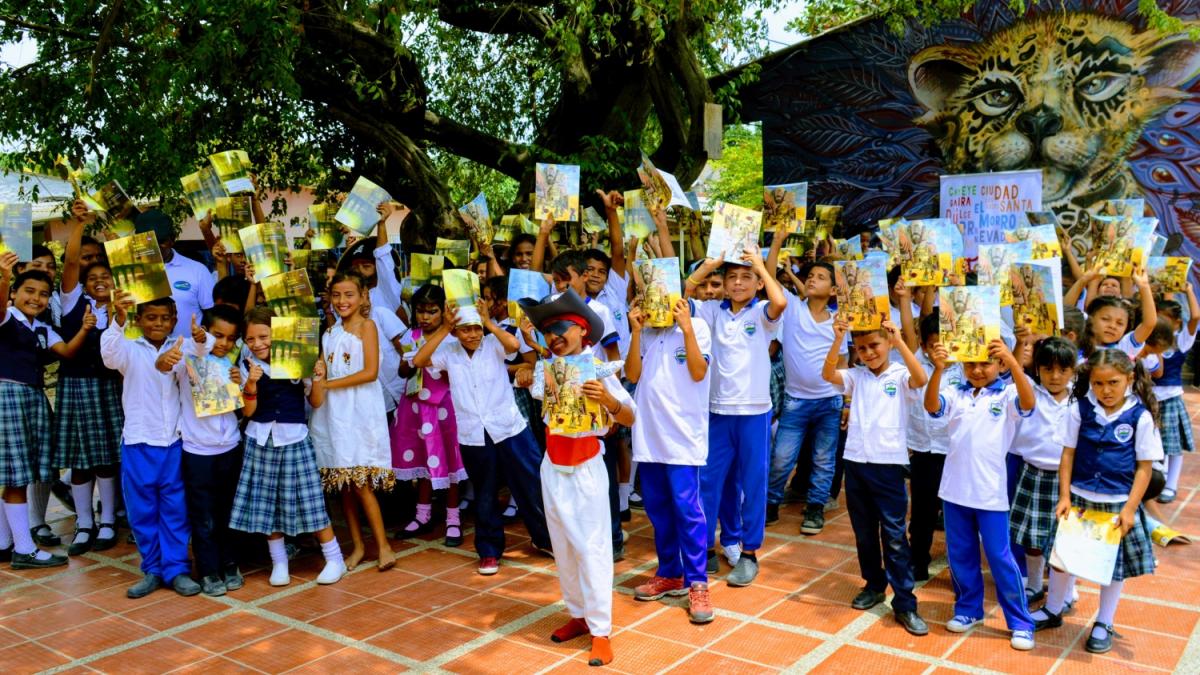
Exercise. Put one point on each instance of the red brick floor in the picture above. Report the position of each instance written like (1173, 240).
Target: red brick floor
(434, 614)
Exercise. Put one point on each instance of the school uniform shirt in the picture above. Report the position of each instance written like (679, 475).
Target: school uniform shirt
(805, 343)
(610, 335)
(386, 293)
(514, 330)
(389, 327)
(613, 296)
(741, 363)
(671, 428)
(71, 299)
(1039, 438)
(31, 369)
(894, 314)
(212, 434)
(191, 289)
(150, 397)
(1183, 344)
(927, 433)
(982, 426)
(1147, 443)
(479, 387)
(1128, 344)
(879, 405)
(279, 433)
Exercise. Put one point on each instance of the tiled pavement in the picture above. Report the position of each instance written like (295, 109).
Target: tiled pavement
(433, 614)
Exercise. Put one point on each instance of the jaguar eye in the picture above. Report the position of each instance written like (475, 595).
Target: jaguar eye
(996, 102)
(1101, 86)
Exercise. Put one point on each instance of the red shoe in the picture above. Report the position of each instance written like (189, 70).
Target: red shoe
(658, 587)
(699, 606)
(489, 566)
(569, 630)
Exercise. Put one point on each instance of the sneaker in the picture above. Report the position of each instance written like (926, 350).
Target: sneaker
(772, 513)
(714, 564)
(148, 584)
(233, 578)
(961, 624)
(733, 553)
(831, 505)
(618, 553)
(1165, 497)
(489, 566)
(333, 572)
(699, 605)
(213, 586)
(1022, 640)
(185, 586)
(866, 599)
(510, 513)
(744, 572)
(36, 561)
(657, 587)
(814, 519)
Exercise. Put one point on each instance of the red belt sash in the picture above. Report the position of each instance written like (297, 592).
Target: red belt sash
(567, 451)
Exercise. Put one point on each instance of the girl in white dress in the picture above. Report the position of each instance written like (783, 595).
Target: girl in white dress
(349, 424)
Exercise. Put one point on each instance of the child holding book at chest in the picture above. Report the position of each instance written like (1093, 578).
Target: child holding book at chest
(494, 440)
(876, 459)
(1110, 443)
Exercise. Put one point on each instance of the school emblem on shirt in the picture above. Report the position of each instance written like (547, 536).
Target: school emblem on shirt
(182, 285)
(995, 409)
(889, 388)
(1123, 432)
(680, 355)
(749, 327)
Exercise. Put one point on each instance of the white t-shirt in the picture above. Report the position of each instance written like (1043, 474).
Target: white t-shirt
(982, 426)
(805, 344)
(613, 296)
(671, 428)
(879, 407)
(483, 399)
(1147, 443)
(610, 335)
(894, 314)
(1039, 438)
(191, 289)
(389, 327)
(741, 364)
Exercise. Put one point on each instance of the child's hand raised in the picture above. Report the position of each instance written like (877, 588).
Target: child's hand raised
(235, 375)
(452, 318)
(998, 352)
(172, 356)
(894, 337)
(484, 308)
(1141, 277)
(611, 199)
(122, 302)
(8, 261)
(637, 319)
(198, 333)
(939, 355)
(841, 326)
(89, 319)
(682, 311)
(254, 373)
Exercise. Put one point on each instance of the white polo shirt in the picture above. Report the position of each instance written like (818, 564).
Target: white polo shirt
(389, 327)
(805, 343)
(191, 289)
(741, 356)
(483, 398)
(878, 431)
(613, 297)
(1147, 443)
(982, 426)
(671, 428)
(1039, 438)
(927, 433)
(610, 335)
(213, 434)
(150, 397)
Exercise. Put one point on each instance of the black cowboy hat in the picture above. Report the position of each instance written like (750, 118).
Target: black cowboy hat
(363, 249)
(556, 313)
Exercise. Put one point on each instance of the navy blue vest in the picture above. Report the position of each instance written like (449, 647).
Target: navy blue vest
(279, 401)
(24, 352)
(1105, 456)
(1172, 370)
(87, 361)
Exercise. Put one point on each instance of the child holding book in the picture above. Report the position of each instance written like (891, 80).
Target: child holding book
(349, 423)
(875, 460)
(279, 489)
(983, 416)
(1168, 390)
(1109, 318)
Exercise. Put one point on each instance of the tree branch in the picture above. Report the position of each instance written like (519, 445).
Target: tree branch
(49, 30)
(509, 19)
(504, 156)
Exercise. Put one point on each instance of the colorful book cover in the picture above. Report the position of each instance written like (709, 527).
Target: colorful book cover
(849, 249)
(557, 192)
(327, 231)
(457, 251)
(862, 290)
(203, 189)
(233, 170)
(929, 251)
(568, 412)
(358, 210)
(638, 221)
(994, 267)
(1044, 239)
(115, 208)
(1124, 244)
(137, 267)
(295, 347)
(232, 214)
(524, 284)
(828, 218)
(734, 229)
(969, 319)
(889, 238)
(291, 294)
(479, 221)
(426, 269)
(1087, 545)
(662, 189)
(16, 230)
(213, 391)
(1158, 246)
(462, 290)
(593, 222)
(1168, 274)
(661, 289)
(785, 207)
(795, 246)
(1037, 297)
(415, 384)
(302, 256)
(265, 246)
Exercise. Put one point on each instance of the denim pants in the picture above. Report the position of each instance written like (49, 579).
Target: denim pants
(820, 417)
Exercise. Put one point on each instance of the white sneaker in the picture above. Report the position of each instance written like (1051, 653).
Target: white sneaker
(961, 624)
(279, 575)
(333, 572)
(1022, 640)
(733, 553)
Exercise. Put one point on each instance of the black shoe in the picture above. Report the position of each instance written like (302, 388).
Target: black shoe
(912, 622)
(6, 554)
(148, 584)
(213, 586)
(44, 536)
(920, 572)
(618, 553)
(1034, 596)
(81, 547)
(63, 492)
(714, 563)
(30, 561)
(626, 516)
(636, 501)
(814, 519)
(866, 599)
(772, 513)
(105, 543)
(1052, 620)
(185, 586)
(233, 578)
(454, 541)
(1101, 645)
(421, 529)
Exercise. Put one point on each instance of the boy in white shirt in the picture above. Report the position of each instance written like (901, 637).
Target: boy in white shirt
(875, 462)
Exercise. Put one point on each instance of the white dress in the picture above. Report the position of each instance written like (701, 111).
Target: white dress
(349, 431)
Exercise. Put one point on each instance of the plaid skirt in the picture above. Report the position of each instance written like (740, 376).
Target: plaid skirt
(1137, 550)
(1176, 427)
(279, 490)
(88, 423)
(1031, 519)
(26, 435)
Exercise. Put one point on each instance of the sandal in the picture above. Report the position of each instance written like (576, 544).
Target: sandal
(44, 536)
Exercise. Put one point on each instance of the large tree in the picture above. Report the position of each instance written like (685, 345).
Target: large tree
(409, 92)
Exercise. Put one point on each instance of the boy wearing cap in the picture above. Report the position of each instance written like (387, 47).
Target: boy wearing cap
(574, 479)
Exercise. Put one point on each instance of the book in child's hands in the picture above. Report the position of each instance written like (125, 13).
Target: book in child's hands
(266, 248)
(994, 267)
(849, 249)
(1043, 238)
(358, 210)
(137, 267)
(524, 284)
(426, 269)
(230, 216)
(115, 208)
(1124, 243)
(734, 229)
(568, 412)
(203, 189)
(969, 319)
(1087, 545)
(1168, 274)
(462, 290)
(661, 188)
(1037, 296)
(213, 390)
(660, 290)
(929, 251)
(16, 230)
(327, 232)
(478, 219)
(593, 222)
(785, 207)
(638, 222)
(862, 291)
(295, 347)
(233, 170)
(291, 294)
(457, 251)
(556, 193)
(828, 219)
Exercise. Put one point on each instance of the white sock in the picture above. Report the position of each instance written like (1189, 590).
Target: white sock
(331, 551)
(633, 472)
(37, 497)
(278, 551)
(1174, 469)
(18, 521)
(1110, 595)
(1060, 586)
(623, 490)
(108, 499)
(452, 520)
(6, 538)
(1035, 564)
(84, 518)
(1072, 592)
(512, 500)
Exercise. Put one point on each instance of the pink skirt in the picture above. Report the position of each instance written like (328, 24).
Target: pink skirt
(425, 442)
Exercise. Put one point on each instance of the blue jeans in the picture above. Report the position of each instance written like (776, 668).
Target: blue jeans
(822, 417)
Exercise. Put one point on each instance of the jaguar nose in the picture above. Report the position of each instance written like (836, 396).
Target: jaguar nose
(1039, 123)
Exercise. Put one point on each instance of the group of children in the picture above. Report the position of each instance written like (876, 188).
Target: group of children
(999, 449)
